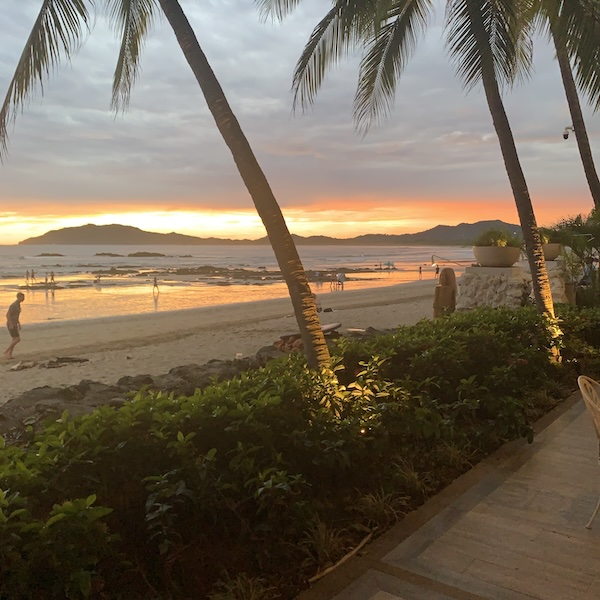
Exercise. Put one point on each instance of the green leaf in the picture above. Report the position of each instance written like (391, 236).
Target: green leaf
(55, 519)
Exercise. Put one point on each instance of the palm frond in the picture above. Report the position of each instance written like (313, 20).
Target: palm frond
(57, 30)
(346, 23)
(581, 20)
(132, 20)
(276, 9)
(490, 34)
(576, 26)
(385, 59)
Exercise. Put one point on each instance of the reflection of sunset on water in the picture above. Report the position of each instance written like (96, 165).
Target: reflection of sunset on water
(102, 281)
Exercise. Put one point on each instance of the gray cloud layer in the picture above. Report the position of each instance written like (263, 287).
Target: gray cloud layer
(68, 148)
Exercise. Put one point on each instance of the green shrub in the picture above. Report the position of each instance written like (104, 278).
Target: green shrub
(57, 557)
(497, 237)
(272, 473)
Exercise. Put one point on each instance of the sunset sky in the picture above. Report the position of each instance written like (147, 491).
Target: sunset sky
(162, 166)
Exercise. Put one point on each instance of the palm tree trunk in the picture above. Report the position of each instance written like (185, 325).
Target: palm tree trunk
(266, 205)
(583, 142)
(531, 235)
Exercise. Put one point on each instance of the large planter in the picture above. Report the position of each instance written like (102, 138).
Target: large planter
(551, 251)
(496, 256)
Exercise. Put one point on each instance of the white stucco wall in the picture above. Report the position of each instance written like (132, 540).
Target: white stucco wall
(493, 286)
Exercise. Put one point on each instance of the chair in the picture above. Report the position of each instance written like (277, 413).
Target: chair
(590, 390)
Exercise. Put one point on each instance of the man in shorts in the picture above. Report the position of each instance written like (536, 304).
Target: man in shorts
(13, 324)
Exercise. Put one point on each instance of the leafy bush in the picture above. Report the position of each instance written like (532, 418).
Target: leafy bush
(551, 235)
(497, 237)
(271, 474)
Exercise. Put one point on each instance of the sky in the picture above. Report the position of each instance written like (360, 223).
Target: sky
(162, 165)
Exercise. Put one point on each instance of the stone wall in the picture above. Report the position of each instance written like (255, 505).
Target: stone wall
(511, 286)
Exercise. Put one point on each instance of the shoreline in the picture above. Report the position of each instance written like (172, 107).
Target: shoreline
(192, 278)
(153, 343)
(132, 298)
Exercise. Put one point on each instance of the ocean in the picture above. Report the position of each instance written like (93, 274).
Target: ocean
(104, 281)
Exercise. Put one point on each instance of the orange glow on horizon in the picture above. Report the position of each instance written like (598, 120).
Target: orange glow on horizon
(334, 217)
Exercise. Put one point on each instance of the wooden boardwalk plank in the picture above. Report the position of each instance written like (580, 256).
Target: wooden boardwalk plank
(515, 531)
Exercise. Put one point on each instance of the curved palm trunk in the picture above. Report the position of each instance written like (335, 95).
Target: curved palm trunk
(583, 142)
(267, 207)
(531, 235)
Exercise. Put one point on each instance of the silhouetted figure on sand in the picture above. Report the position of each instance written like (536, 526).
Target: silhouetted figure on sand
(13, 324)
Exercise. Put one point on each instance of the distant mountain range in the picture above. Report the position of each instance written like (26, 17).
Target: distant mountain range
(123, 235)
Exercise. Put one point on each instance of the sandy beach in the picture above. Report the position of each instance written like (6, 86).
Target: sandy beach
(154, 343)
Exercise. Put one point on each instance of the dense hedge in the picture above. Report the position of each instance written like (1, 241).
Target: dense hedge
(251, 486)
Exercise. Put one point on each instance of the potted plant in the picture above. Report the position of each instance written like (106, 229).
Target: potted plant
(496, 248)
(551, 242)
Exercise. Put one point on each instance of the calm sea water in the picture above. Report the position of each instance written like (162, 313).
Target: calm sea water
(249, 273)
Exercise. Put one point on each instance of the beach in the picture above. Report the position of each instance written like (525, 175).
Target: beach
(153, 343)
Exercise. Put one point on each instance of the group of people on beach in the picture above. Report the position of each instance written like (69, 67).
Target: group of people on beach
(336, 280)
(13, 315)
(31, 280)
(340, 279)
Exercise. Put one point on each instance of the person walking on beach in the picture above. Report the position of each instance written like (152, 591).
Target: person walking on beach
(420, 272)
(52, 278)
(32, 277)
(155, 286)
(13, 324)
(437, 271)
(27, 278)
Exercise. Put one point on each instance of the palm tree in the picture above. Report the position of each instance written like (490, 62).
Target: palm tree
(489, 42)
(578, 123)
(552, 11)
(57, 31)
(487, 45)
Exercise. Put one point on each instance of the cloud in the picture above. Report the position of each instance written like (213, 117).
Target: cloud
(68, 152)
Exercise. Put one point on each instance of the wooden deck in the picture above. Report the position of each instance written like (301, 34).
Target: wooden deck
(511, 529)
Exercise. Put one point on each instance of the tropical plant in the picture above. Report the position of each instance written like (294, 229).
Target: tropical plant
(57, 32)
(551, 235)
(581, 237)
(498, 238)
(581, 233)
(489, 42)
